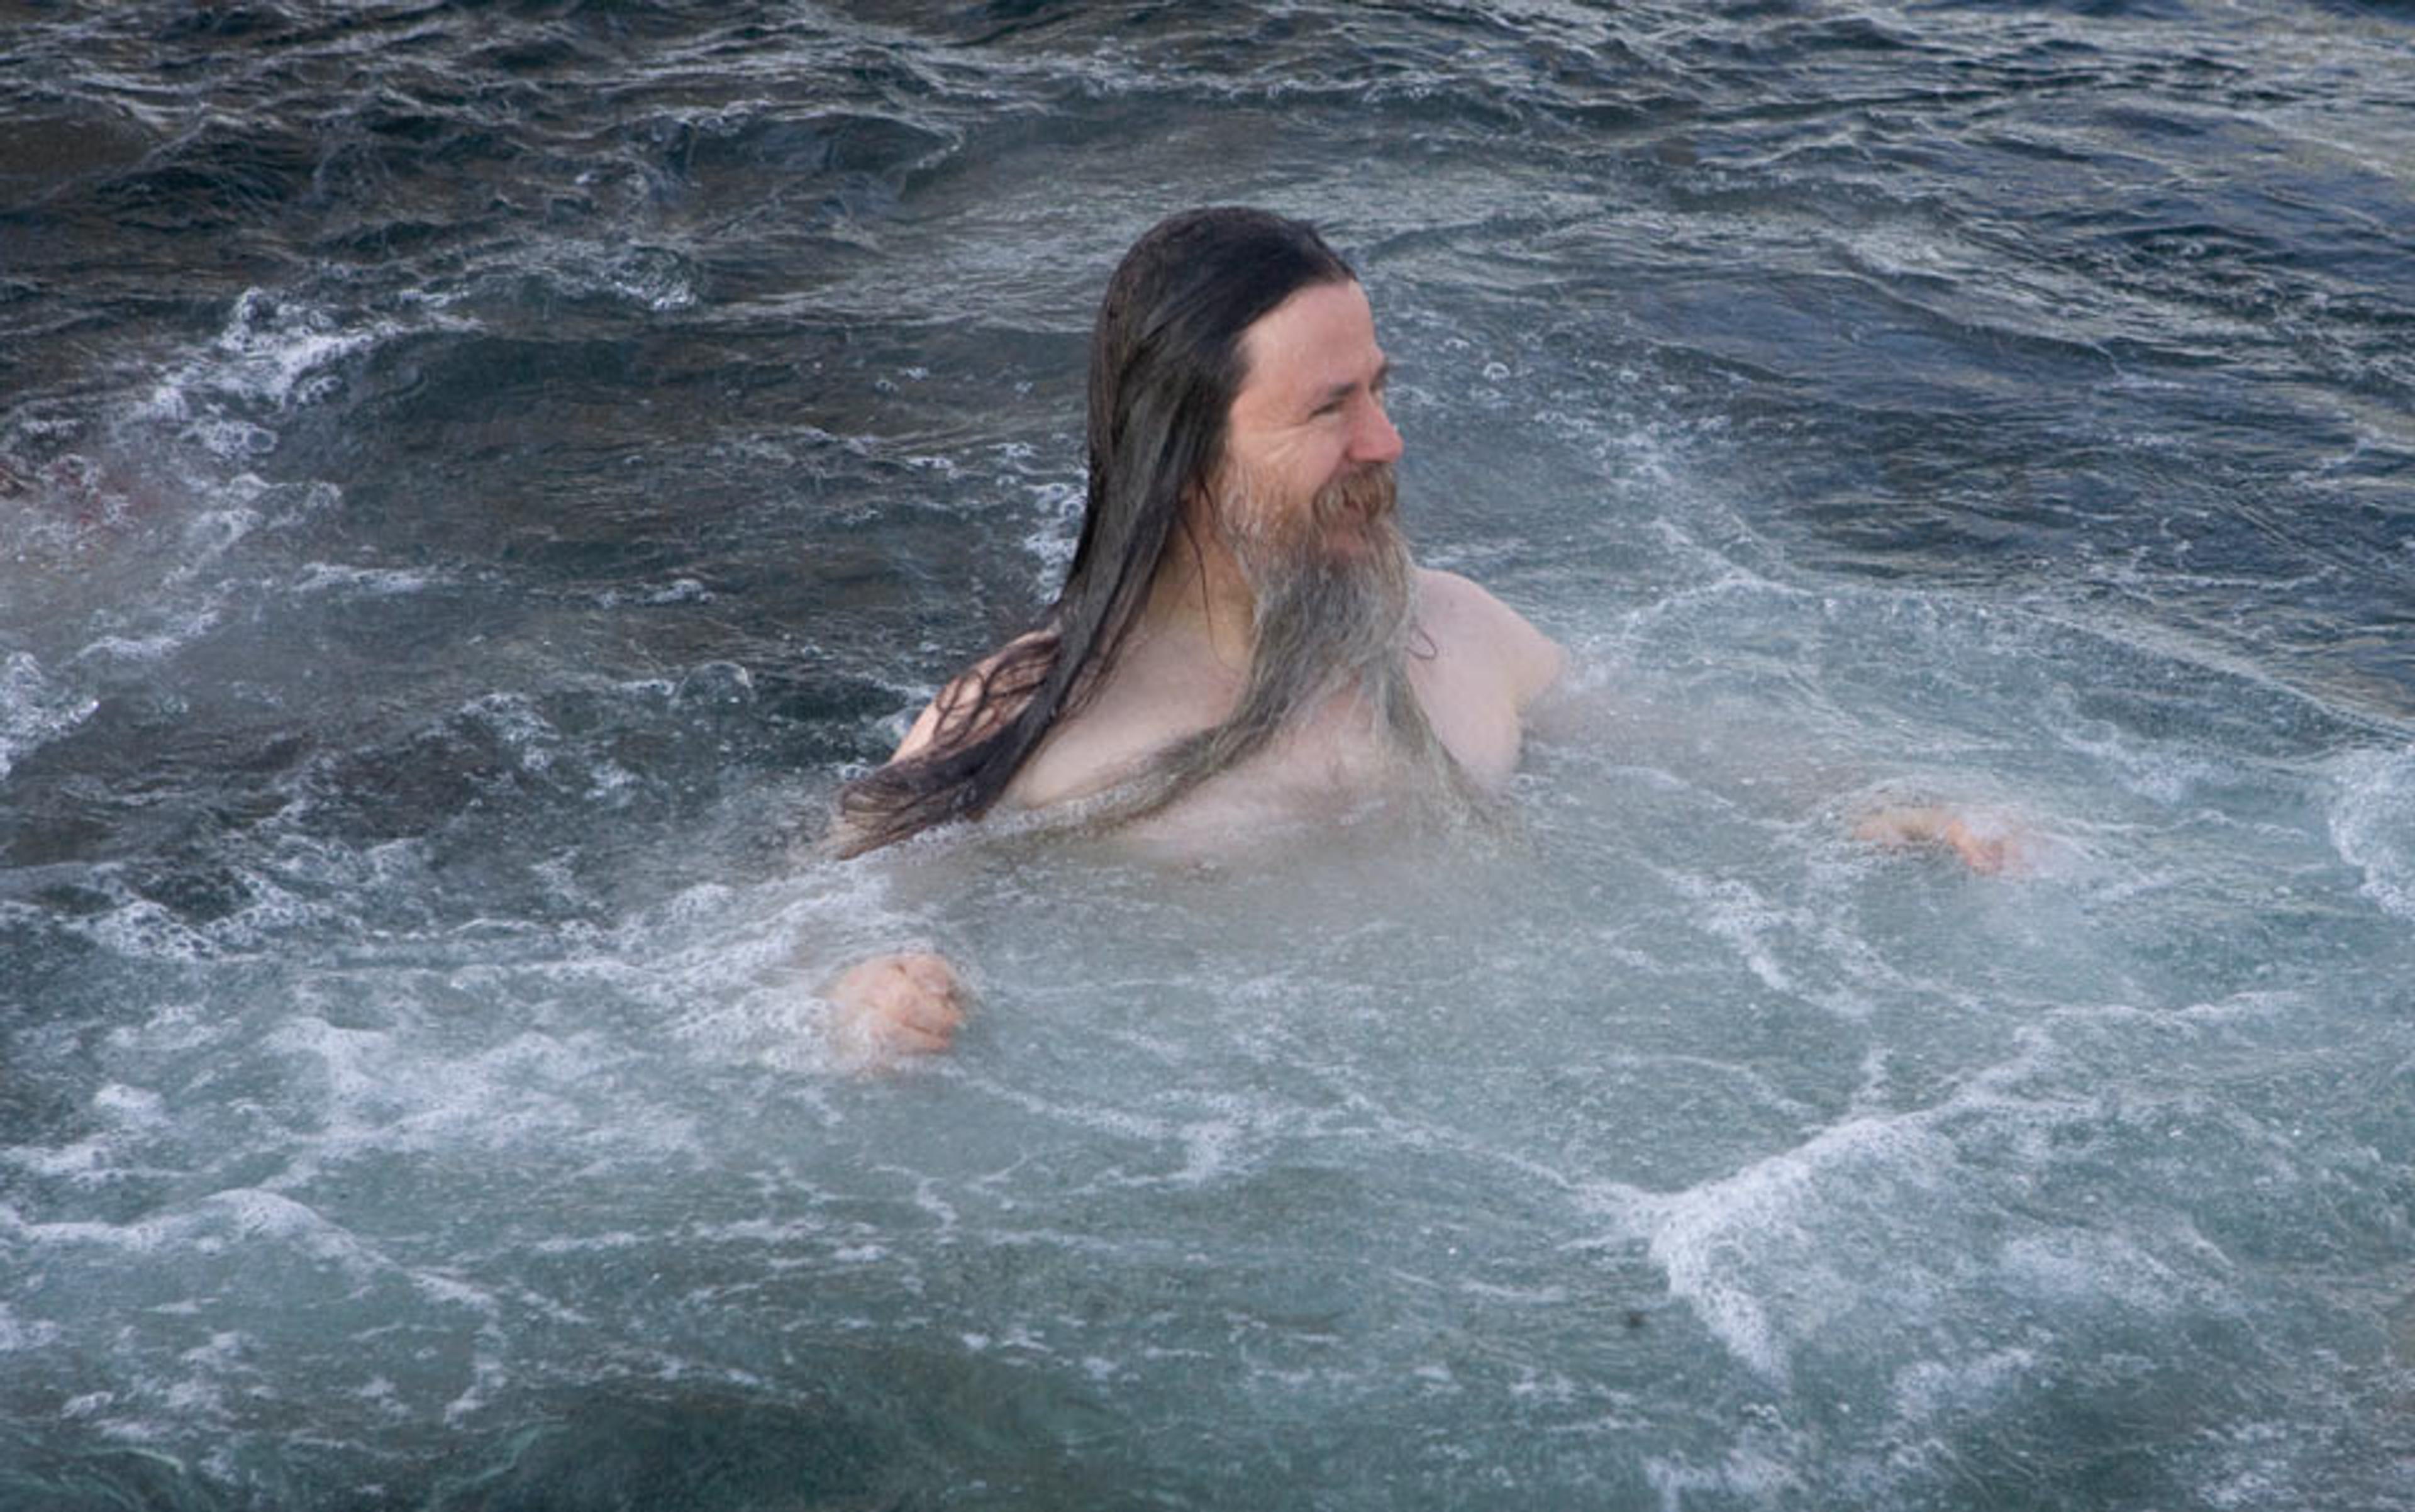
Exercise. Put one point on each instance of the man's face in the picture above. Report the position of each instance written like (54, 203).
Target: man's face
(1307, 449)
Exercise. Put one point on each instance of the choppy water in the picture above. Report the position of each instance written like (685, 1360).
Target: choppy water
(474, 477)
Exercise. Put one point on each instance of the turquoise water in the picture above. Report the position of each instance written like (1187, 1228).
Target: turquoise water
(473, 479)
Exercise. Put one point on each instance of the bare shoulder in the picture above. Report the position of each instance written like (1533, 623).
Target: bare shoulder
(966, 709)
(1462, 614)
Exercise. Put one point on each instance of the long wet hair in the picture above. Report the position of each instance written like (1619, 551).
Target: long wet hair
(1166, 363)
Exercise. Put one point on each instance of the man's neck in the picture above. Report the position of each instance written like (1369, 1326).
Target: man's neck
(1199, 593)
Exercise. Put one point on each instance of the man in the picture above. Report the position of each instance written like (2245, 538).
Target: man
(1242, 638)
(1242, 641)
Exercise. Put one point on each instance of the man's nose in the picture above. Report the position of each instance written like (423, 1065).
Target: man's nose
(1373, 439)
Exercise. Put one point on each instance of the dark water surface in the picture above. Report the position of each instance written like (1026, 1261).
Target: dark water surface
(474, 477)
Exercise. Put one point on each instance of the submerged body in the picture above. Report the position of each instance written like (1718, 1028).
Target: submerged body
(1478, 666)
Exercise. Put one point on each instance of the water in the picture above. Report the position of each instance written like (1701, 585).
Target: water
(472, 479)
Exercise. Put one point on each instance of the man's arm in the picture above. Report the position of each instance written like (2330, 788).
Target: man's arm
(1527, 660)
(1586, 710)
(912, 1002)
(1906, 826)
(963, 711)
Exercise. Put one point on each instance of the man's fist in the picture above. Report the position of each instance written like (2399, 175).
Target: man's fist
(905, 1003)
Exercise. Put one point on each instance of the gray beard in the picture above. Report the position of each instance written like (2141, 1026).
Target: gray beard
(1325, 624)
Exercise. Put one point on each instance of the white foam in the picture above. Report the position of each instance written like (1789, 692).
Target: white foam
(659, 280)
(2372, 823)
(1734, 911)
(179, 629)
(145, 931)
(358, 1065)
(34, 708)
(264, 351)
(1725, 1244)
(230, 439)
(16, 1334)
(742, 973)
(524, 731)
(1760, 1473)
(2157, 772)
(2074, 1267)
(677, 591)
(783, 1027)
(206, 1227)
(1051, 542)
(372, 582)
(1926, 1390)
(92, 1157)
(130, 1113)
(274, 356)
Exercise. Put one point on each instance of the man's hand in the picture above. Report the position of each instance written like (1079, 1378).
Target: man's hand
(1905, 825)
(905, 1003)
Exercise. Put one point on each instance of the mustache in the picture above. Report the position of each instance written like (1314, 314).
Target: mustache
(1361, 496)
